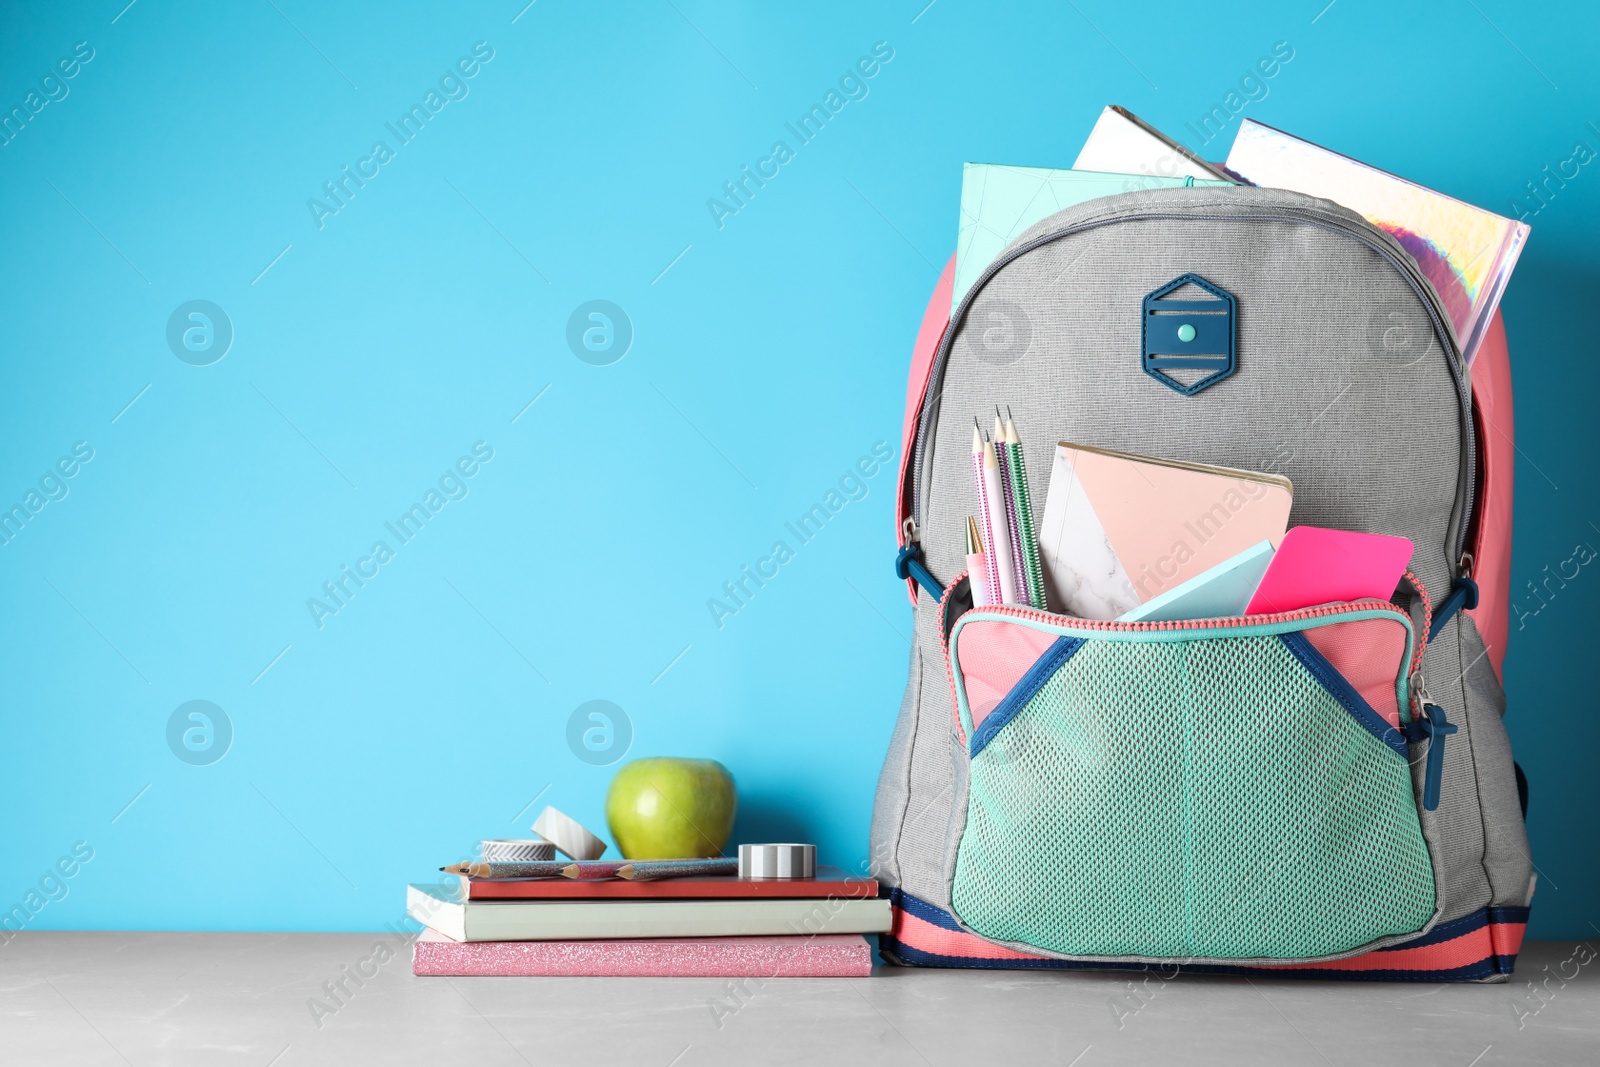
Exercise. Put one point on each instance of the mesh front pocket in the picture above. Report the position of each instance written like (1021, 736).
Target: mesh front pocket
(1206, 798)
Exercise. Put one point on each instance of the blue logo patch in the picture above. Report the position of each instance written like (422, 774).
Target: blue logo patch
(1188, 342)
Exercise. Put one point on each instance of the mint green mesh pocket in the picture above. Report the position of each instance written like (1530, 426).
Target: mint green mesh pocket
(1197, 798)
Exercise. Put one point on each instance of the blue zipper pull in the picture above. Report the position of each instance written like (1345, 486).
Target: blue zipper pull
(908, 564)
(1435, 727)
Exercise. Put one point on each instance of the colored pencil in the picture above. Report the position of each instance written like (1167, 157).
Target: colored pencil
(991, 575)
(1019, 560)
(999, 543)
(977, 566)
(1024, 502)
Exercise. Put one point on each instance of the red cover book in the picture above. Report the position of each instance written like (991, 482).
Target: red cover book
(829, 882)
(824, 956)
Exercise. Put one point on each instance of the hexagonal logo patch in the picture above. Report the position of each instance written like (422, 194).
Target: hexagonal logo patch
(1189, 336)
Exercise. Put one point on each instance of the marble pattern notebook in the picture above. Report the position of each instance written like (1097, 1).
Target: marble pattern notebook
(1120, 529)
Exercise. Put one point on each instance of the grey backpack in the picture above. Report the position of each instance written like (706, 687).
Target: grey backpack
(1327, 793)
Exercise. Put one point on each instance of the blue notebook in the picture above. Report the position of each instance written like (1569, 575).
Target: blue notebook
(1218, 593)
(998, 203)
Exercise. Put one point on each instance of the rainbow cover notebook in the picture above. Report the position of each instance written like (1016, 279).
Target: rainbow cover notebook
(1120, 530)
(1466, 252)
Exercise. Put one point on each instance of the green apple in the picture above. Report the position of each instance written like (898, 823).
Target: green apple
(669, 809)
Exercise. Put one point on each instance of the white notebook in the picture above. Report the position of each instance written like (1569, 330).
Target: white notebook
(1123, 142)
(577, 920)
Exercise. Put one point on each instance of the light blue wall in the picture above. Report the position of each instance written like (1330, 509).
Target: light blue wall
(768, 357)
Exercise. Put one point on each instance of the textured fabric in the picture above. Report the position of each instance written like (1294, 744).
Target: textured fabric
(916, 840)
(894, 781)
(1457, 825)
(1506, 861)
(1200, 799)
(1371, 442)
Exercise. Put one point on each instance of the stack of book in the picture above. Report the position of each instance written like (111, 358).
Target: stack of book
(718, 926)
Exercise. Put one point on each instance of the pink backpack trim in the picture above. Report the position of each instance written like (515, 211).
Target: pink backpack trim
(1491, 544)
(934, 322)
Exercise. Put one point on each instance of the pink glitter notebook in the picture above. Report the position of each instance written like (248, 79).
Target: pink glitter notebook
(824, 956)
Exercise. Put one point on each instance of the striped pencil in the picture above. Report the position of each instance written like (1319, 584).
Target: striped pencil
(1024, 504)
(991, 577)
(999, 525)
(1019, 562)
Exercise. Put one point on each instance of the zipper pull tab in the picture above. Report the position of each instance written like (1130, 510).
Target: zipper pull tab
(1436, 728)
(1463, 596)
(909, 529)
(908, 565)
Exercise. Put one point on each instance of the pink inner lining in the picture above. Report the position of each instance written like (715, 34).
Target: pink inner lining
(1368, 652)
(993, 657)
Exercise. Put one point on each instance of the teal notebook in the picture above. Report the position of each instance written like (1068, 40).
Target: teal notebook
(998, 203)
(1219, 593)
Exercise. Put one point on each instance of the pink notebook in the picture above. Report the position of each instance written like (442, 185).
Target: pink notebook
(1120, 530)
(822, 956)
(1319, 566)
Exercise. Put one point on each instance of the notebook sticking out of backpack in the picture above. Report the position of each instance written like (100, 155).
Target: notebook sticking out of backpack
(1120, 530)
(1222, 591)
(1317, 566)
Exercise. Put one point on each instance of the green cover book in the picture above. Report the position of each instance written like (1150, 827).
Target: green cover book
(998, 203)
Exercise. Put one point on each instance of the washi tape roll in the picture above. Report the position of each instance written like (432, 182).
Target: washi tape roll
(516, 850)
(568, 835)
(778, 861)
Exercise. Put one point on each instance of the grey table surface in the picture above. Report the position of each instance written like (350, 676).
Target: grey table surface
(225, 998)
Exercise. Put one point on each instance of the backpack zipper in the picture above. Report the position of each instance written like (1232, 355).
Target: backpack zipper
(1414, 682)
(1404, 265)
(1321, 611)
